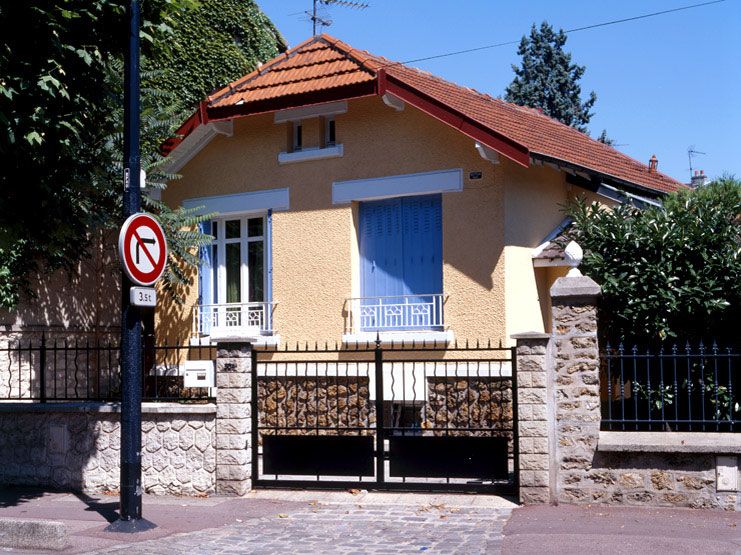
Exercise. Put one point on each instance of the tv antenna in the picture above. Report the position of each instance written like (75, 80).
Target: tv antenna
(691, 152)
(323, 21)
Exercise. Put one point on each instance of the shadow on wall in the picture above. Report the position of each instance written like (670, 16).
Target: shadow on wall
(86, 303)
(56, 450)
(174, 320)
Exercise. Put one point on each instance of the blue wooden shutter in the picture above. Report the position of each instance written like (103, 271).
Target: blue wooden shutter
(381, 248)
(206, 278)
(422, 245)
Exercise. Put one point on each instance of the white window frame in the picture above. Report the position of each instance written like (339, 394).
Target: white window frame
(220, 266)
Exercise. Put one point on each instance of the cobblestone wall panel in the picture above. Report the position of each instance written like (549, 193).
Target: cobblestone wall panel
(81, 451)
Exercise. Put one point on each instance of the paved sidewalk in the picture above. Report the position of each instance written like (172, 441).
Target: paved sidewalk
(568, 529)
(346, 529)
(276, 522)
(360, 522)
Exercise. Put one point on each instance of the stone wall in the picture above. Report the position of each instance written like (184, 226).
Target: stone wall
(480, 402)
(532, 418)
(577, 468)
(234, 413)
(77, 447)
(304, 403)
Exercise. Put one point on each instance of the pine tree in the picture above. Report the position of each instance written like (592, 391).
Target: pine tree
(548, 80)
(605, 138)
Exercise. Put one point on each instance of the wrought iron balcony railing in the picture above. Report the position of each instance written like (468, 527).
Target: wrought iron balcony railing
(396, 313)
(233, 319)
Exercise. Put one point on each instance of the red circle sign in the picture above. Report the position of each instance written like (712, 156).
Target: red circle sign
(142, 249)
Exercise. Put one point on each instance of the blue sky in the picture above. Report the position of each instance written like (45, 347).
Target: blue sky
(663, 83)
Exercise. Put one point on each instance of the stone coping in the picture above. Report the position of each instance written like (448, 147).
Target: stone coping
(670, 442)
(531, 335)
(90, 406)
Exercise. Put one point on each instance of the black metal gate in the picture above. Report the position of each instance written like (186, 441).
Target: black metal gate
(405, 417)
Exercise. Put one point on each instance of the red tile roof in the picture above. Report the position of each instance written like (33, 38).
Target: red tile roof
(324, 68)
(317, 64)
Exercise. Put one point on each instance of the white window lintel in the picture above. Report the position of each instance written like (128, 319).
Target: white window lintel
(441, 181)
(241, 203)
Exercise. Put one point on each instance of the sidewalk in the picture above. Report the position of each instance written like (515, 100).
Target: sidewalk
(570, 529)
(213, 523)
(275, 521)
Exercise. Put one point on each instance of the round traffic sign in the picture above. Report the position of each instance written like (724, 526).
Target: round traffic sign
(142, 249)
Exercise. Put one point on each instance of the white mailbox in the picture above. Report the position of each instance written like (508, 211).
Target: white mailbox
(199, 373)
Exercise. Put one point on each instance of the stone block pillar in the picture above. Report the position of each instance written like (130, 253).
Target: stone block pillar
(233, 418)
(532, 416)
(576, 384)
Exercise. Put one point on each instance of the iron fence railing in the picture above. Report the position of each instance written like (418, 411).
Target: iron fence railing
(233, 319)
(89, 370)
(396, 313)
(675, 388)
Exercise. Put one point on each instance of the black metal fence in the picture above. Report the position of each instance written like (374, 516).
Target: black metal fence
(89, 370)
(676, 388)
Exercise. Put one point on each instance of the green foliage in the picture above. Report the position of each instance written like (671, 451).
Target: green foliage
(213, 45)
(61, 119)
(671, 271)
(159, 119)
(546, 78)
(52, 103)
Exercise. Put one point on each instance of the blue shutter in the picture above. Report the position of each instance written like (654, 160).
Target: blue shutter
(400, 254)
(381, 248)
(205, 277)
(422, 245)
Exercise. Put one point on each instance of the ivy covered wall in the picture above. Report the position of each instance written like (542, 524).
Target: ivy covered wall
(212, 45)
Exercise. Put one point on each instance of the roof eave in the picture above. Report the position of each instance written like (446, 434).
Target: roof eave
(602, 176)
(502, 144)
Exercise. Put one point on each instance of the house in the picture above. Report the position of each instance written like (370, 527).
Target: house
(355, 196)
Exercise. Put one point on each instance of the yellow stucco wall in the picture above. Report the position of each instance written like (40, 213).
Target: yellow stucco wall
(534, 198)
(491, 225)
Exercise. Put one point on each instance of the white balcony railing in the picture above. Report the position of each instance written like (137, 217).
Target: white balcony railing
(398, 313)
(233, 319)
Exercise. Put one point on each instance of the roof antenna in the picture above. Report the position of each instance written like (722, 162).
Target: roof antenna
(692, 152)
(323, 21)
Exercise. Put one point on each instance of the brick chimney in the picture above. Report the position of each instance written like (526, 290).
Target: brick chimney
(698, 179)
(653, 164)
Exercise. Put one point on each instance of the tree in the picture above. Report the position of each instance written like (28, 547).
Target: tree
(212, 45)
(546, 78)
(666, 272)
(605, 138)
(61, 79)
(53, 99)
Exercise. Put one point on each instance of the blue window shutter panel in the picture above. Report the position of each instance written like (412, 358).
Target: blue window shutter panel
(422, 245)
(205, 276)
(381, 248)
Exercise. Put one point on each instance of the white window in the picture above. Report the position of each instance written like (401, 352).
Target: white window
(238, 254)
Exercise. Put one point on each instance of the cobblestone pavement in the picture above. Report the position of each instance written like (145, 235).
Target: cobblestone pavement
(347, 529)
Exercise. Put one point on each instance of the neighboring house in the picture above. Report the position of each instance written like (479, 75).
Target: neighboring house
(357, 196)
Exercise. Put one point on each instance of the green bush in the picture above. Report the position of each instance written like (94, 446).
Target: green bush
(666, 272)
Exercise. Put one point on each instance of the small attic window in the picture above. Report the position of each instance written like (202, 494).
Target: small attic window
(298, 139)
(330, 136)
